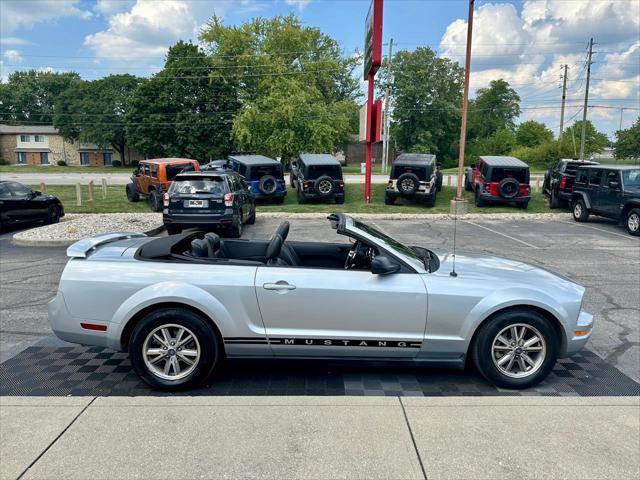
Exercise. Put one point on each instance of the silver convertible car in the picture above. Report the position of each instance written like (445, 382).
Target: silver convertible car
(180, 304)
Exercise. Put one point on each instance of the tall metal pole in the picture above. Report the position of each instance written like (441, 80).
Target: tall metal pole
(586, 100)
(387, 94)
(564, 96)
(621, 110)
(465, 101)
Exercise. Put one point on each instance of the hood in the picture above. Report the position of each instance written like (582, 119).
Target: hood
(489, 268)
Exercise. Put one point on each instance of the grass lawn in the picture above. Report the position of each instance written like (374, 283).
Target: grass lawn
(58, 169)
(116, 201)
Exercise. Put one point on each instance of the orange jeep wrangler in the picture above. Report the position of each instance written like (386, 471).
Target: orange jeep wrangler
(153, 178)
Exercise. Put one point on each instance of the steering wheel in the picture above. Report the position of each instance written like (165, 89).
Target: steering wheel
(351, 256)
(357, 256)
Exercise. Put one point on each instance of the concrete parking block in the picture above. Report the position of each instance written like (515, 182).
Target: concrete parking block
(26, 430)
(560, 440)
(255, 441)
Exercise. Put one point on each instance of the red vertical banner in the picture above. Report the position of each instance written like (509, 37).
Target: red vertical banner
(372, 61)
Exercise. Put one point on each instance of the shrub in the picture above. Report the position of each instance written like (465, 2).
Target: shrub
(62, 163)
(134, 163)
(116, 163)
(3, 162)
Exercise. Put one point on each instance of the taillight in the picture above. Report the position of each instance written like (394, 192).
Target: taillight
(563, 183)
(305, 185)
(390, 183)
(228, 199)
(486, 187)
(165, 199)
(341, 184)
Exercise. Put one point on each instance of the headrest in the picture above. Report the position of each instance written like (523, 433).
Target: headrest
(199, 248)
(283, 230)
(213, 242)
(274, 248)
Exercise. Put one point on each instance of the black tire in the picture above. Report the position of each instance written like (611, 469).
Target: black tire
(438, 181)
(301, 198)
(408, 183)
(389, 199)
(579, 211)
(53, 214)
(482, 351)
(479, 201)
(339, 200)
(208, 342)
(292, 181)
(268, 185)
(633, 221)
(251, 219)
(324, 186)
(553, 200)
(467, 184)
(278, 200)
(508, 188)
(235, 230)
(132, 193)
(430, 200)
(523, 204)
(155, 201)
(174, 229)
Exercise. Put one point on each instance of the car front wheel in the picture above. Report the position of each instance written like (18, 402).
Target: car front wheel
(174, 349)
(515, 349)
(53, 214)
(633, 222)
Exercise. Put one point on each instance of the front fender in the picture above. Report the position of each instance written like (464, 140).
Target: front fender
(169, 292)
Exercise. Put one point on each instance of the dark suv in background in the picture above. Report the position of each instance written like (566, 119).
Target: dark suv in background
(208, 199)
(414, 176)
(317, 176)
(498, 179)
(559, 178)
(263, 174)
(608, 191)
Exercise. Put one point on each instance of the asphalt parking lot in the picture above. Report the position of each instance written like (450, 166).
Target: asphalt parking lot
(599, 255)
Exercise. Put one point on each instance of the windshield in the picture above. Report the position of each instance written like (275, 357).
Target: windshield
(520, 174)
(259, 171)
(173, 170)
(392, 244)
(315, 171)
(631, 178)
(214, 186)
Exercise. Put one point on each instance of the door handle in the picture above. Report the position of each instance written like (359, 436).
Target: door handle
(280, 285)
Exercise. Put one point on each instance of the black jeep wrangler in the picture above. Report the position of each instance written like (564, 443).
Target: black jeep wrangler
(609, 191)
(559, 178)
(414, 176)
(317, 176)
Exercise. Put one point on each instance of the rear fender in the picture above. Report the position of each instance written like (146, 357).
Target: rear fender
(169, 292)
(584, 197)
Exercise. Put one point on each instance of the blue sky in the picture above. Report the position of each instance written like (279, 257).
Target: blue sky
(525, 42)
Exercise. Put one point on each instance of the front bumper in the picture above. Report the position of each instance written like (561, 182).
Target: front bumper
(584, 325)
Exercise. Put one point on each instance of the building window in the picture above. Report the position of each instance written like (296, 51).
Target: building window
(44, 158)
(107, 158)
(25, 138)
(22, 158)
(38, 138)
(84, 158)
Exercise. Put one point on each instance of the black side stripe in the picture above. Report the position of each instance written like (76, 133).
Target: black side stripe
(323, 342)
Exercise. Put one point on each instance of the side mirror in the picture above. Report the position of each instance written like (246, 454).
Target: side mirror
(614, 185)
(383, 265)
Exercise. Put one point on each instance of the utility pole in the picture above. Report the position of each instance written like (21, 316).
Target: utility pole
(564, 96)
(387, 94)
(459, 201)
(586, 100)
(621, 110)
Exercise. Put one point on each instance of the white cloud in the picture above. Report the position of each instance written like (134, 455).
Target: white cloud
(15, 41)
(26, 13)
(109, 7)
(13, 56)
(529, 47)
(301, 4)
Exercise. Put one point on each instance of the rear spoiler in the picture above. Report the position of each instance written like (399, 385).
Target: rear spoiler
(84, 246)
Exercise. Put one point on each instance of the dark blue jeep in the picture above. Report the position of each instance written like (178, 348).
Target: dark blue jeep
(263, 174)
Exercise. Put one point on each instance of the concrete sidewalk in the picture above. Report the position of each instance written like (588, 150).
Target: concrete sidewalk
(319, 437)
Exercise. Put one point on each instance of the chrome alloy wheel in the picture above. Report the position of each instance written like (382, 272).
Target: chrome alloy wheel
(633, 222)
(325, 187)
(577, 210)
(518, 351)
(171, 352)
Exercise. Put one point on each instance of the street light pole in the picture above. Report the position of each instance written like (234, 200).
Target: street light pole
(465, 102)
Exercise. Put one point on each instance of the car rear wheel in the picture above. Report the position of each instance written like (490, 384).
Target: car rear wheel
(235, 231)
(633, 222)
(53, 214)
(174, 349)
(467, 184)
(553, 200)
(479, 201)
(155, 201)
(430, 200)
(301, 198)
(251, 219)
(339, 199)
(523, 204)
(580, 212)
(132, 194)
(515, 349)
(389, 199)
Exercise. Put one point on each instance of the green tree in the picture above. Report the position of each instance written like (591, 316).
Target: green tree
(95, 111)
(494, 108)
(426, 98)
(628, 142)
(595, 141)
(501, 142)
(30, 96)
(532, 133)
(184, 110)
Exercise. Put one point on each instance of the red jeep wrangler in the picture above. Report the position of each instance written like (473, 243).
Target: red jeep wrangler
(153, 178)
(501, 180)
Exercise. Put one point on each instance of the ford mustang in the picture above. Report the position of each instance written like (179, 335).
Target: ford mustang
(179, 304)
